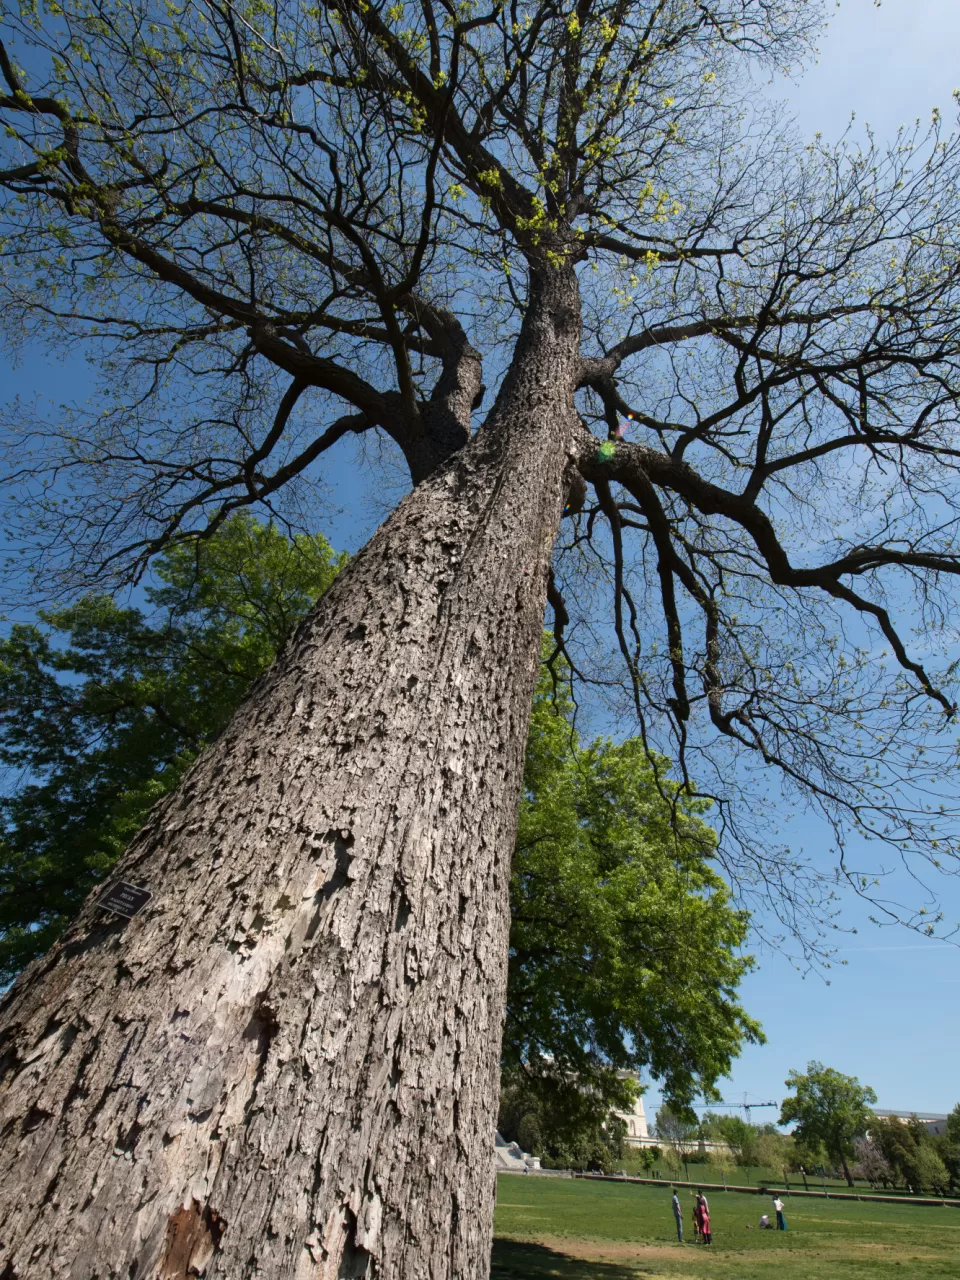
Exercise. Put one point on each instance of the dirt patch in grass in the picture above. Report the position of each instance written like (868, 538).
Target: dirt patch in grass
(616, 1249)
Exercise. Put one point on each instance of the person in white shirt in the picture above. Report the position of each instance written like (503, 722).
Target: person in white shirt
(781, 1220)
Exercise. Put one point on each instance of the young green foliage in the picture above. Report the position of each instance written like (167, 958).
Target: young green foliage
(916, 1158)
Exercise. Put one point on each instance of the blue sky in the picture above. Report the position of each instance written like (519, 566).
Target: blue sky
(886, 64)
(889, 1014)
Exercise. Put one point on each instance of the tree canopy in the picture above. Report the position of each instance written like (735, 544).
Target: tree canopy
(279, 224)
(678, 1130)
(953, 1125)
(904, 1151)
(622, 931)
(626, 953)
(557, 261)
(751, 1144)
(830, 1108)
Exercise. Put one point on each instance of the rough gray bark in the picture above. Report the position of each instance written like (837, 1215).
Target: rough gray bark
(287, 1065)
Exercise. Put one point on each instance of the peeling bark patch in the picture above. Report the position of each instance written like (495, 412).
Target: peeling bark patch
(355, 1264)
(262, 1028)
(263, 1024)
(127, 1142)
(11, 1060)
(193, 1237)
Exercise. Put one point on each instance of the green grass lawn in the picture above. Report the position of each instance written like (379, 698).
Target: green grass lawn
(581, 1230)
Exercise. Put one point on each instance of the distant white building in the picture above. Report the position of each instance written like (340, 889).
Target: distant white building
(638, 1133)
(933, 1121)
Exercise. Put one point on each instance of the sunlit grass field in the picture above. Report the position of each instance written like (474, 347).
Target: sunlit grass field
(583, 1230)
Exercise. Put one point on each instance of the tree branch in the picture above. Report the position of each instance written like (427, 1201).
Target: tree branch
(636, 466)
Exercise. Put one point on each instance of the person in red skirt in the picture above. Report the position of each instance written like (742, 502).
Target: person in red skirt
(701, 1214)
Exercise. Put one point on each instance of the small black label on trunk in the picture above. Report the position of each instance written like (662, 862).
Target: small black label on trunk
(125, 899)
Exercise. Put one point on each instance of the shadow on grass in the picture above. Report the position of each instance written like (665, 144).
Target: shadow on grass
(518, 1260)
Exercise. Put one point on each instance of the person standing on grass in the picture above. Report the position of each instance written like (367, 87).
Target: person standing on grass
(701, 1215)
(704, 1208)
(781, 1220)
(678, 1215)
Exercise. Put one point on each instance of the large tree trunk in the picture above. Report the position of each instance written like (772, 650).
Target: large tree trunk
(287, 1064)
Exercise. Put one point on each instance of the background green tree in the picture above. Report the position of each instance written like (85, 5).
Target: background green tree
(948, 1147)
(626, 951)
(774, 1150)
(829, 1108)
(751, 1145)
(569, 1128)
(919, 1160)
(739, 1134)
(678, 1129)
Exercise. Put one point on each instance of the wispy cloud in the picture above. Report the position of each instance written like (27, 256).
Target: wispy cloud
(914, 946)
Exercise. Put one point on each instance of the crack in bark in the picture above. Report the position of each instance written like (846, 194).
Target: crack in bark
(356, 1262)
(262, 1027)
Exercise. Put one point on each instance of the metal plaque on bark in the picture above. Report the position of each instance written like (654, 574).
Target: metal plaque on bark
(125, 899)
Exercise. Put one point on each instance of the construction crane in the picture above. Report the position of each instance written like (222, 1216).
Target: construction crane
(740, 1106)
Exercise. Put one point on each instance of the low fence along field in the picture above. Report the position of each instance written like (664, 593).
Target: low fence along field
(749, 1176)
